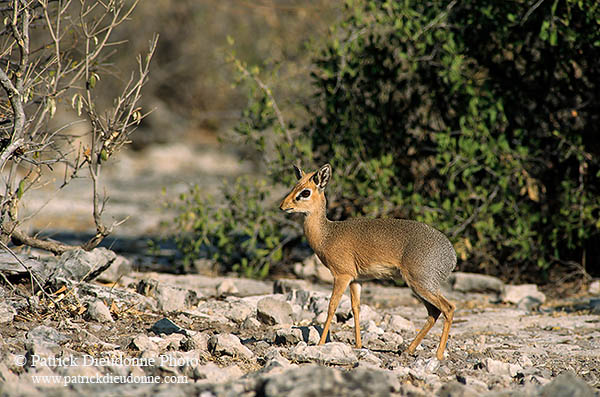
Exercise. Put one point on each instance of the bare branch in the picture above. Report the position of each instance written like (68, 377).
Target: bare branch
(531, 10)
(109, 135)
(21, 238)
(265, 88)
(76, 44)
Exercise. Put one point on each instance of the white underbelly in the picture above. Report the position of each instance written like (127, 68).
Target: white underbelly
(379, 271)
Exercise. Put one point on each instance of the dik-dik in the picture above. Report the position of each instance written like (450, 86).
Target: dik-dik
(359, 249)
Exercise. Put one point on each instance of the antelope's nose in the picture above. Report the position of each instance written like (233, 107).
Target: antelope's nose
(284, 207)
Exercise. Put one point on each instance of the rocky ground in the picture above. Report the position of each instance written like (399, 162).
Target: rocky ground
(109, 325)
(107, 330)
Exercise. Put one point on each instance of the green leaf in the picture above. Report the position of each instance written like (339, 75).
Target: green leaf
(21, 189)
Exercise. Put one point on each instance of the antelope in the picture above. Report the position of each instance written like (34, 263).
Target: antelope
(360, 249)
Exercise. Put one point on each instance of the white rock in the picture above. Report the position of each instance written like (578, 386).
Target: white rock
(44, 341)
(368, 359)
(171, 342)
(594, 288)
(9, 376)
(313, 267)
(422, 369)
(80, 265)
(98, 311)
(197, 341)
(500, 368)
(273, 311)
(211, 373)
(88, 371)
(366, 313)
(7, 312)
(476, 384)
(120, 267)
(293, 335)
(333, 353)
(252, 323)
(372, 327)
(398, 323)
(321, 318)
(286, 285)
(525, 361)
(471, 282)
(143, 343)
(230, 345)
(514, 293)
(227, 287)
(276, 364)
(232, 309)
(427, 366)
(171, 299)
(387, 341)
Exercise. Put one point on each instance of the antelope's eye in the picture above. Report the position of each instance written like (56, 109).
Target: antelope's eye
(304, 194)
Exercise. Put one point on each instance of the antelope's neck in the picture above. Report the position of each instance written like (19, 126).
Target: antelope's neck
(315, 228)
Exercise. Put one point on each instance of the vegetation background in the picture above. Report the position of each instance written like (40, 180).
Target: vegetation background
(477, 117)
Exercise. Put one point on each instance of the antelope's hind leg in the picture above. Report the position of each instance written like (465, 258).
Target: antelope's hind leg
(447, 308)
(434, 313)
(436, 304)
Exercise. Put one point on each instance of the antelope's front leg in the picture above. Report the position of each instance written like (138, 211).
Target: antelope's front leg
(340, 283)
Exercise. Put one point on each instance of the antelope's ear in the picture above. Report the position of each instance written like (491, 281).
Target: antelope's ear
(322, 176)
(299, 173)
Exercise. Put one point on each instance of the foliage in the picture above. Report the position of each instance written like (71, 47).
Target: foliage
(244, 235)
(477, 117)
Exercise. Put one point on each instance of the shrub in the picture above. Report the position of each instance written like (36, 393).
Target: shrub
(240, 231)
(475, 117)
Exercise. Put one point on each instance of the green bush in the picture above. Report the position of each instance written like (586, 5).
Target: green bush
(477, 117)
(239, 231)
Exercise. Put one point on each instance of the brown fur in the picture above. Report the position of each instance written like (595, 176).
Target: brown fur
(359, 249)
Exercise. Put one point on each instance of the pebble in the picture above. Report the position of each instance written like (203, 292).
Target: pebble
(515, 293)
(333, 353)
(79, 265)
(277, 358)
(594, 288)
(293, 335)
(229, 345)
(227, 287)
(7, 312)
(397, 323)
(98, 311)
(273, 311)
(143, 343)
(501, 368)
(471, 282)
(167, 327)
(174, 299)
